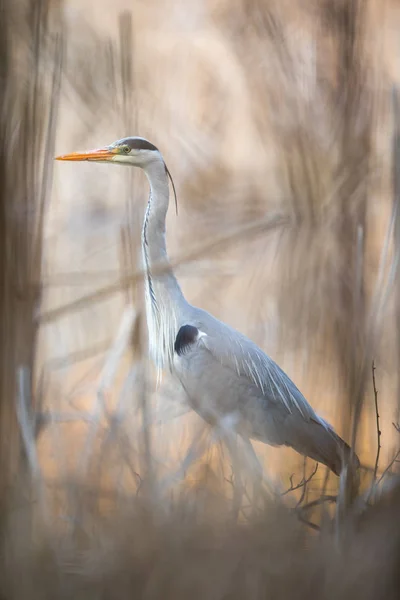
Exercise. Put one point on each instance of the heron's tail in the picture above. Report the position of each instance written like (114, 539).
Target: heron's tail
(323, 444)
(343, 455)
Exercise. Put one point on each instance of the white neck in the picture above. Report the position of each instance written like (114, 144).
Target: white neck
(164, 299)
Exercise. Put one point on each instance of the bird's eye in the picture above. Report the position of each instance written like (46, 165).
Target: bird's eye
(125, 149)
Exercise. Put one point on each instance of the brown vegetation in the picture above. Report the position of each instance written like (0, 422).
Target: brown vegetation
(279, 122)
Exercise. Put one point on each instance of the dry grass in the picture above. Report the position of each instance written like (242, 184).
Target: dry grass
(191, 546)
(276, 120)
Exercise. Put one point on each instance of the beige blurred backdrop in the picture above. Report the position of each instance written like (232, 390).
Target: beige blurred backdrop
(246, 103)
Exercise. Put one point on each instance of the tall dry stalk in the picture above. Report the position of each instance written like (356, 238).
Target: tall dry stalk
(30, 77)
(396, 216)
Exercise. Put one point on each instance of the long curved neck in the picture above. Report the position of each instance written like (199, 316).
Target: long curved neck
(164, 299)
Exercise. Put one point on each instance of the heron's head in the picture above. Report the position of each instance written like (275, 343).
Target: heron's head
(135, 151)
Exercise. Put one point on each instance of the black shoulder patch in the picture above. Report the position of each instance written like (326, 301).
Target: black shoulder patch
(185, 337)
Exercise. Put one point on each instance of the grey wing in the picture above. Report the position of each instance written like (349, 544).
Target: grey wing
(229, 371)
(234, 351)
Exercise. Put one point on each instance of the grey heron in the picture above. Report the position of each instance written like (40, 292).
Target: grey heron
(224, 374)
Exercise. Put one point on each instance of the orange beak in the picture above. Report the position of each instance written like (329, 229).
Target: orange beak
(103, 154)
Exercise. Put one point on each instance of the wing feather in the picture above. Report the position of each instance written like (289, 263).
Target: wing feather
(235, 351)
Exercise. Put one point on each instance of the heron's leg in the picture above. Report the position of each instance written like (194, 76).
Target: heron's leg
(258, 473)
(225, 430)
(231, 442)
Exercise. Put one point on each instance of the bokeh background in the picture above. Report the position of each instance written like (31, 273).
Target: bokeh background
(279, 122)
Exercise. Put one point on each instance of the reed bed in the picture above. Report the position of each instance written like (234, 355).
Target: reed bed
(280, 127)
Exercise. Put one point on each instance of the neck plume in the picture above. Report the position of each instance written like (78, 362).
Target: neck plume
(164, 298)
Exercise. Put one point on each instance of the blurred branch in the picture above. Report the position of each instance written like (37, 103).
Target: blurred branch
(256, 228)
(309, 524)
(318, 502)
(390, 465)
(25, 419)
(300, 510)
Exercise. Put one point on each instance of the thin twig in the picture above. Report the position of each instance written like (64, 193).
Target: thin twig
(378, 431)
(390, 465)
(308, 523)
(231, 481)
(303, 483)
(304, 490)
(319, 501)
